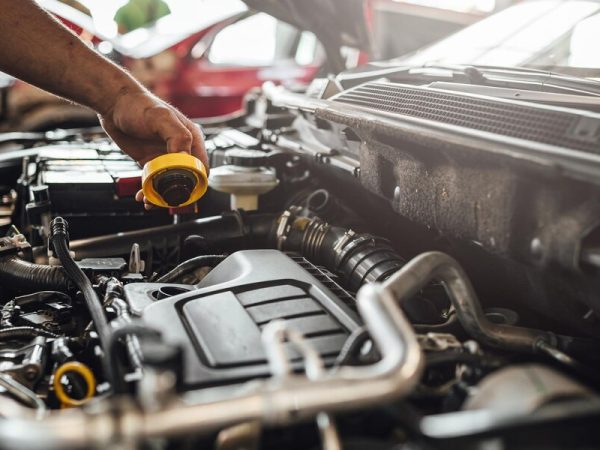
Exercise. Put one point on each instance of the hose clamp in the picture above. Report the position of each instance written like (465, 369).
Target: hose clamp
(339, 246)
(283, 228)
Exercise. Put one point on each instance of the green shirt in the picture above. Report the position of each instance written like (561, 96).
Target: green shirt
(139, 13)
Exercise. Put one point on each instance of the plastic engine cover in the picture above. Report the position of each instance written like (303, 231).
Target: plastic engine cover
(218, 323)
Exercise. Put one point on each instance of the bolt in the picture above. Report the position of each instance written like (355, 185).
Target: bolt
(536, 248)
(31, 372)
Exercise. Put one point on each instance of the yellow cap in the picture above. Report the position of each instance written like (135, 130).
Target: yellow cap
(82, 370)
(174, 180)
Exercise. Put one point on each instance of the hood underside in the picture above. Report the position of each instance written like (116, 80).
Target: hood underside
(337, 23)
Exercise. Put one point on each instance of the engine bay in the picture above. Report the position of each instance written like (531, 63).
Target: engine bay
(350, 280)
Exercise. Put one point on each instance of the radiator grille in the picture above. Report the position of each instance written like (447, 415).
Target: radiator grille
(559, 128)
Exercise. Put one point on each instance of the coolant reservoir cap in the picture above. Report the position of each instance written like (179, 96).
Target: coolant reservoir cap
(246, 158)
(174, 180)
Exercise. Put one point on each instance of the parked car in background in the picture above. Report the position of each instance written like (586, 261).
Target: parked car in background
(206, 71)
(203, 62)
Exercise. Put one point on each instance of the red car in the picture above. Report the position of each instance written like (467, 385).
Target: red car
(206, 71)
(203, 61)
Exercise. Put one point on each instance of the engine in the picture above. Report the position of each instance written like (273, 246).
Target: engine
(290, 308)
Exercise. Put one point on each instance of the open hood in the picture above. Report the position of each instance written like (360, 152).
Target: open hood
(337, 23)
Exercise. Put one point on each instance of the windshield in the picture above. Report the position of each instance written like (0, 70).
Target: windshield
(554, 35)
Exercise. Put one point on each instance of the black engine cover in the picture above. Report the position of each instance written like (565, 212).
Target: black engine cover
(218, 323)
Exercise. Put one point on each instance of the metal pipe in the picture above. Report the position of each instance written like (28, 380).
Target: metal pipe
(296, 398)
(415, 275)
(274, 402)
(275, 334)
(22, 393)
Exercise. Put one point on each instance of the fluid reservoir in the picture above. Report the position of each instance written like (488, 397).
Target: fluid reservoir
(245, 176)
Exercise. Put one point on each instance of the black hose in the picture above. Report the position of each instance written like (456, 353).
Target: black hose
(444, 358)
(25, 333)
(59, 240)
(189, 266)
(357, 258)
(233, 230)
(26, 277)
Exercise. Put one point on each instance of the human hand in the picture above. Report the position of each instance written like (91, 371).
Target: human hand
(145, 127)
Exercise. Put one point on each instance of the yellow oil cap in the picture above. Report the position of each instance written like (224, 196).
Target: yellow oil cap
(174, 180)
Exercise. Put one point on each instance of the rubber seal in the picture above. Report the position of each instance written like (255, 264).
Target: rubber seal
(173, 161)
(80, 369)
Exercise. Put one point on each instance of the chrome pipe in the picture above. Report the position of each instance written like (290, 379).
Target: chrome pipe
(275, 334)
(278, 402)
(22, 393)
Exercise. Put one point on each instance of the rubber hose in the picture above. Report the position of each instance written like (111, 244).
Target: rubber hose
(189, 266)
(233, 230)
(25, 333)
(356, 258)
(59, 240)
(27, 277)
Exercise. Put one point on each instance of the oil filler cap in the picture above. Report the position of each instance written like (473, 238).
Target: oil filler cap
(174, 180)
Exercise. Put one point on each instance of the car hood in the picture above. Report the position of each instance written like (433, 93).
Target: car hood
(337, 23)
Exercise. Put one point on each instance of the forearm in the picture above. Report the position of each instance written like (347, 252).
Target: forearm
(36, 48)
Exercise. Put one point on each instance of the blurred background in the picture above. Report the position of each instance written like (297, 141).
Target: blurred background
(203, 56)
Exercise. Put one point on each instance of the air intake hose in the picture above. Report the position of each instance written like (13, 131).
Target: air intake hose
(357, 257)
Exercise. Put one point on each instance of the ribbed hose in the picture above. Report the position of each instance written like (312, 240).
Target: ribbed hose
(24, 333)
(26, 277)
(357, 258)
(59, 240)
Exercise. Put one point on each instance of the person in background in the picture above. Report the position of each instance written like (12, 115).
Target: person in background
(140, 13)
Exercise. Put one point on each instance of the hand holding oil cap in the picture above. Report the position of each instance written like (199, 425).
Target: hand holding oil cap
(174, 180)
